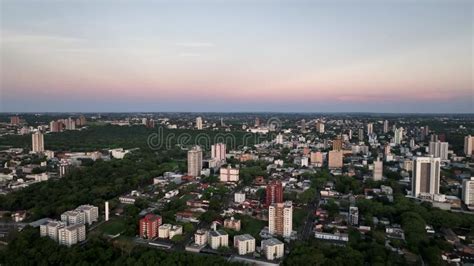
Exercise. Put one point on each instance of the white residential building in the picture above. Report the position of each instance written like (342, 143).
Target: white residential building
(468, 191)
(370, 128)
(385, 126)
(229, 174)
(320, 127)
(91, 213)
(199, 123)
(73, 217)
(245, 244)
(425, 176)
(218, 238)
(164, 231)
(239, 197)
(195, 161)
(272, 248)
(37, 144)
(175, 230)
(51, 228)
(127, 199)
(439, 149)
(280, 219)
(72, 234)
(84, 214)
(201, 237)
(218, 152)
(70, 124)
(39, 177)
(469, 145)
(378, 170)
(398, 136)
(332, 237)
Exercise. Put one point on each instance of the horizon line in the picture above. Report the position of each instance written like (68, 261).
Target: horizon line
(233, 112)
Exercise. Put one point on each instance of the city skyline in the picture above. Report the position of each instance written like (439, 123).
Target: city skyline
(237, 56)
(221, 189)
(228, 132)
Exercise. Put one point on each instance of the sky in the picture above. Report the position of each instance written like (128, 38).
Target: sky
(237, 56)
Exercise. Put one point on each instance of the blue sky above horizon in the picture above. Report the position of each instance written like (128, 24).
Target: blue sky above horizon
(298, 56)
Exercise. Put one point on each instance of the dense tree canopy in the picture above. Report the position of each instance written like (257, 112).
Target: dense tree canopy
(159, 138)
(28, 248)
(91, 185)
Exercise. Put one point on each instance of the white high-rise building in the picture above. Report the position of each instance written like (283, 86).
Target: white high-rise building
(385, 126)
(199, 123)
(361, 134)
(469, 145)
(468, 192)
(378, 170)
(370, 129)
(37, 144)
(439, 149)
(425, 176)
(72, 234)
(280, 219)
(272, 248)
(245, 244)
(84, 214)
(218, 152)
(91, 213)
(70, 124)
(229, 174)
(195, 161)
(73, 217)
(51, 228)
(398, 136)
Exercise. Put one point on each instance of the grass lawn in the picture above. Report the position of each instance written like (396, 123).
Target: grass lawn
(113, 227)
